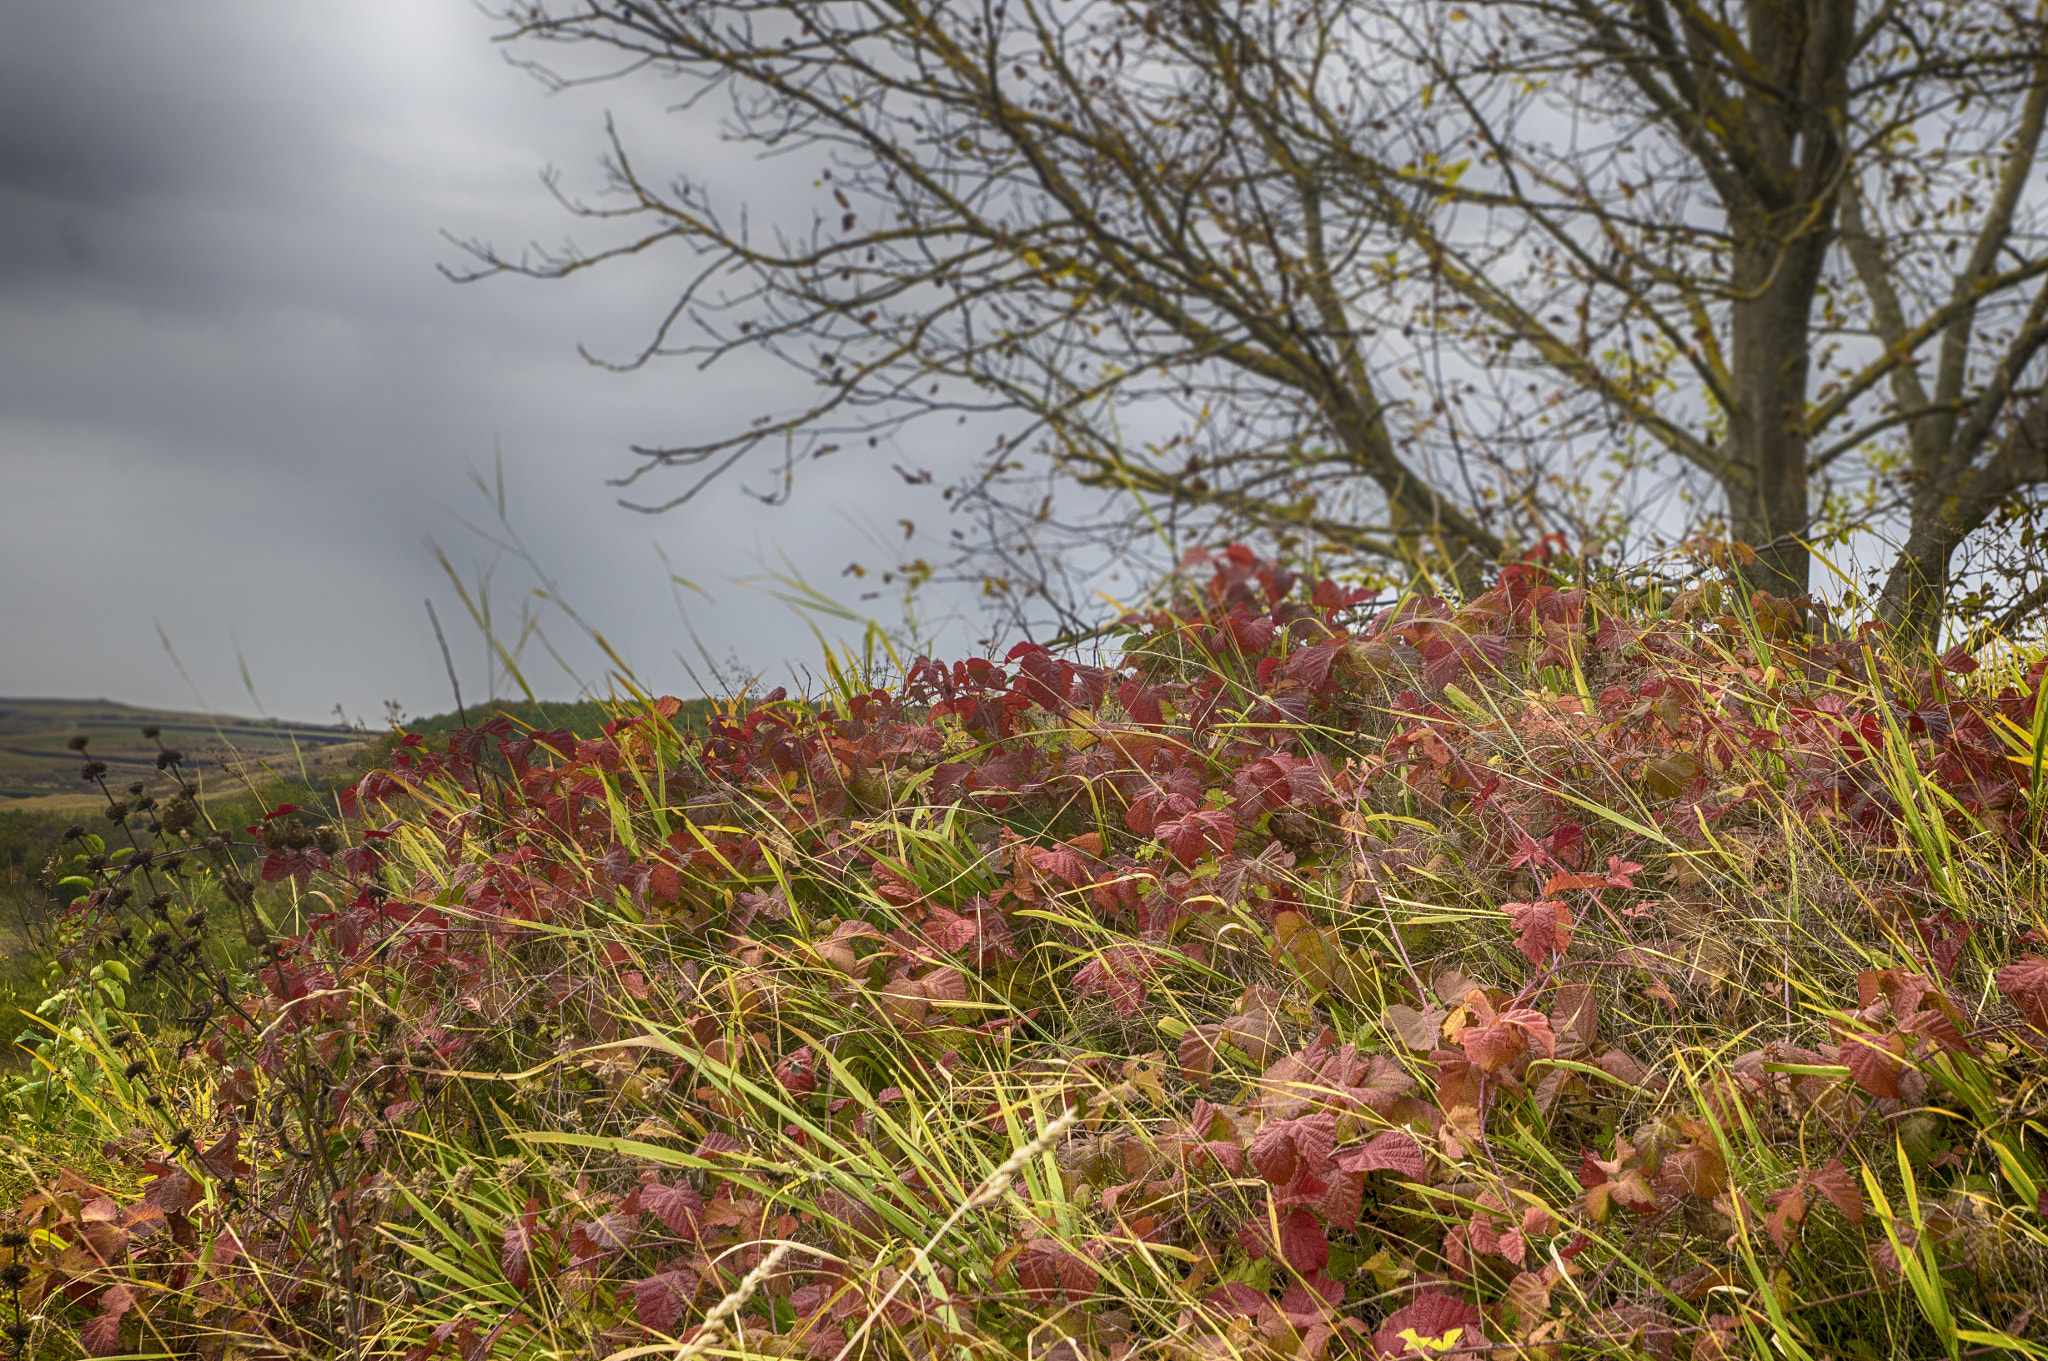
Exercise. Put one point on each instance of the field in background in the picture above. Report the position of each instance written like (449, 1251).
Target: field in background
(38, 772)
(583, 718)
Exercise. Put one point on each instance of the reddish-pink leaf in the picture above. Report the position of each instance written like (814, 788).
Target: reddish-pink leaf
(944, 985)
(1379, 1085)
(1543, 928)
(519, 1230)
(1118, 974)
(1845, 1191)
(716, 1143)
(660, 1301)
(1872, 1064)
(1340, 1204)
(172, 1192)
(1885, 1257)
(1235, 1298)
(1263, 785)
(1304, 1245)
(1311, 1301)
(1430, 1315)
(1272, 1155)
(1536, 1026)
(1788, 1208)
(1188, 837)
(590, 1239)
(798, 1072)
(1046, 1270)
(223, 1160)
(294, 864)
(948, 931)
(1623, 1067)
(1392, 1150)
(2025, 984)
(101, 1335)
(1198, 1055)
(1313, 664)
(1452, 653)
(1575, 1018)
(1174, 794)
(678, 1207)
(1493, 1047)
(1421, 1030)
(1063, 863)
(1287, 1148)
(1936, 1025)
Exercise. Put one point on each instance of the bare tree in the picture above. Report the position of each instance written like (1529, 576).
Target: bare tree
(1394, 264)
(1749, 226)
(1059, 210)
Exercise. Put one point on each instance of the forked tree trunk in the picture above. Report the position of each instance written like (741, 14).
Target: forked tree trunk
(1958, 497)
(1916, 588)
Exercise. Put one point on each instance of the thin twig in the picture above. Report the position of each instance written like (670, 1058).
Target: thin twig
(448, 661)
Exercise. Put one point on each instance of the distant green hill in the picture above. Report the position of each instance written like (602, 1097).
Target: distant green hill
(585, 718)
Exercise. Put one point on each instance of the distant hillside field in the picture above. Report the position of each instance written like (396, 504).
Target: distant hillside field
(36, 765)
(39, 771)
(584, 718)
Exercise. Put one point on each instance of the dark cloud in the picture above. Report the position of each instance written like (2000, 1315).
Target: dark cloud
(236, 397)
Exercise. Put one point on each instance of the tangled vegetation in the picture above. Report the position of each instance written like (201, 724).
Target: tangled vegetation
(1570, 973)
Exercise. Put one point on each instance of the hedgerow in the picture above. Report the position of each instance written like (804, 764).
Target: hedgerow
(1564, 973)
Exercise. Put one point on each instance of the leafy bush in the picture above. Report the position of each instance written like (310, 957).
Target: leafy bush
(1565, 974)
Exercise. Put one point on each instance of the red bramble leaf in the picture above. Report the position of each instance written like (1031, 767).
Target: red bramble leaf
(298, 865)
(1303, 1244)
(1430, 1317)
(591, 1239)
(660, 1301)
(519, 1231)
(1393, 1150)
(1236, 1299)
(1417, 1029)
(2025, 984)
(1845, 1191)
(1492, 1047)
(1543, 928)
(1873, 1063)
(101, 1335)
(1187, 837)
(1287, 1148)
(680, 1208)
(1046, 1270)
(1118, 974)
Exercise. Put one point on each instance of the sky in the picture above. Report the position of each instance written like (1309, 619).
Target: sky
(239, 402)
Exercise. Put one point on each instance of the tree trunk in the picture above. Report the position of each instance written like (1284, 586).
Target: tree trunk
(1916, 588)
(1766, 484)
(1953, 503)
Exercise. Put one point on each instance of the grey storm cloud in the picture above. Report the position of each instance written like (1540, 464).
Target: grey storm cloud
(236, 396)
